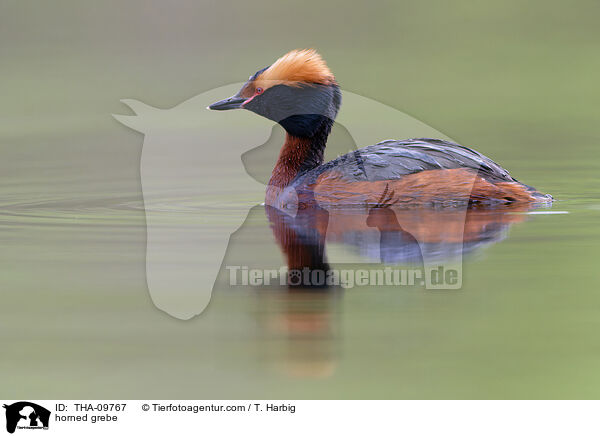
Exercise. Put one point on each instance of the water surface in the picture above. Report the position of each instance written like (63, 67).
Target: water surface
(517, 81)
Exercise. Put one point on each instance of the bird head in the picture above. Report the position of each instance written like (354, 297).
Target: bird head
(298, 91)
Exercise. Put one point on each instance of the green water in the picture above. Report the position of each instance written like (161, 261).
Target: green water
(516, 81)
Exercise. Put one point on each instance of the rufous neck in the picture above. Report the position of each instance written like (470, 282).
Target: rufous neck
(296, 155)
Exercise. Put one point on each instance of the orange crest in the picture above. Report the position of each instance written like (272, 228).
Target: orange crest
(294, 68)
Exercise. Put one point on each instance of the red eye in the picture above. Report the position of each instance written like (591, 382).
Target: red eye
(259, 90)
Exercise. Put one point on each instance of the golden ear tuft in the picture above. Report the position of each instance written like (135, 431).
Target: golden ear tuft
(295, 67)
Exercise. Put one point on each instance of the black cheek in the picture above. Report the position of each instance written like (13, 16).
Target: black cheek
(255, 105)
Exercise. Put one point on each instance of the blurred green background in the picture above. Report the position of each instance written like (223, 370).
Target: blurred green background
(516, 80)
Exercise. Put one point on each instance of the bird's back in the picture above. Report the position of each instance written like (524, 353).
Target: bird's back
(417, 171)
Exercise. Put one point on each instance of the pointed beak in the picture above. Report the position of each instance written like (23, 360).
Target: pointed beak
(234, 102)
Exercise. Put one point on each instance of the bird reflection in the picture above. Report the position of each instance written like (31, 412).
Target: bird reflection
(306, 318)
(395, 243)
(384, 233)
(301, 332)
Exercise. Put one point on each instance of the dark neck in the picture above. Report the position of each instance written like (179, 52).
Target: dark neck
(300, 154)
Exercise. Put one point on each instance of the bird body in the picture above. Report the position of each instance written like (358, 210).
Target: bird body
(300, 93)
(419, 171)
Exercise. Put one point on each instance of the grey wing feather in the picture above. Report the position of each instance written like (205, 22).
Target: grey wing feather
(393, 159)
